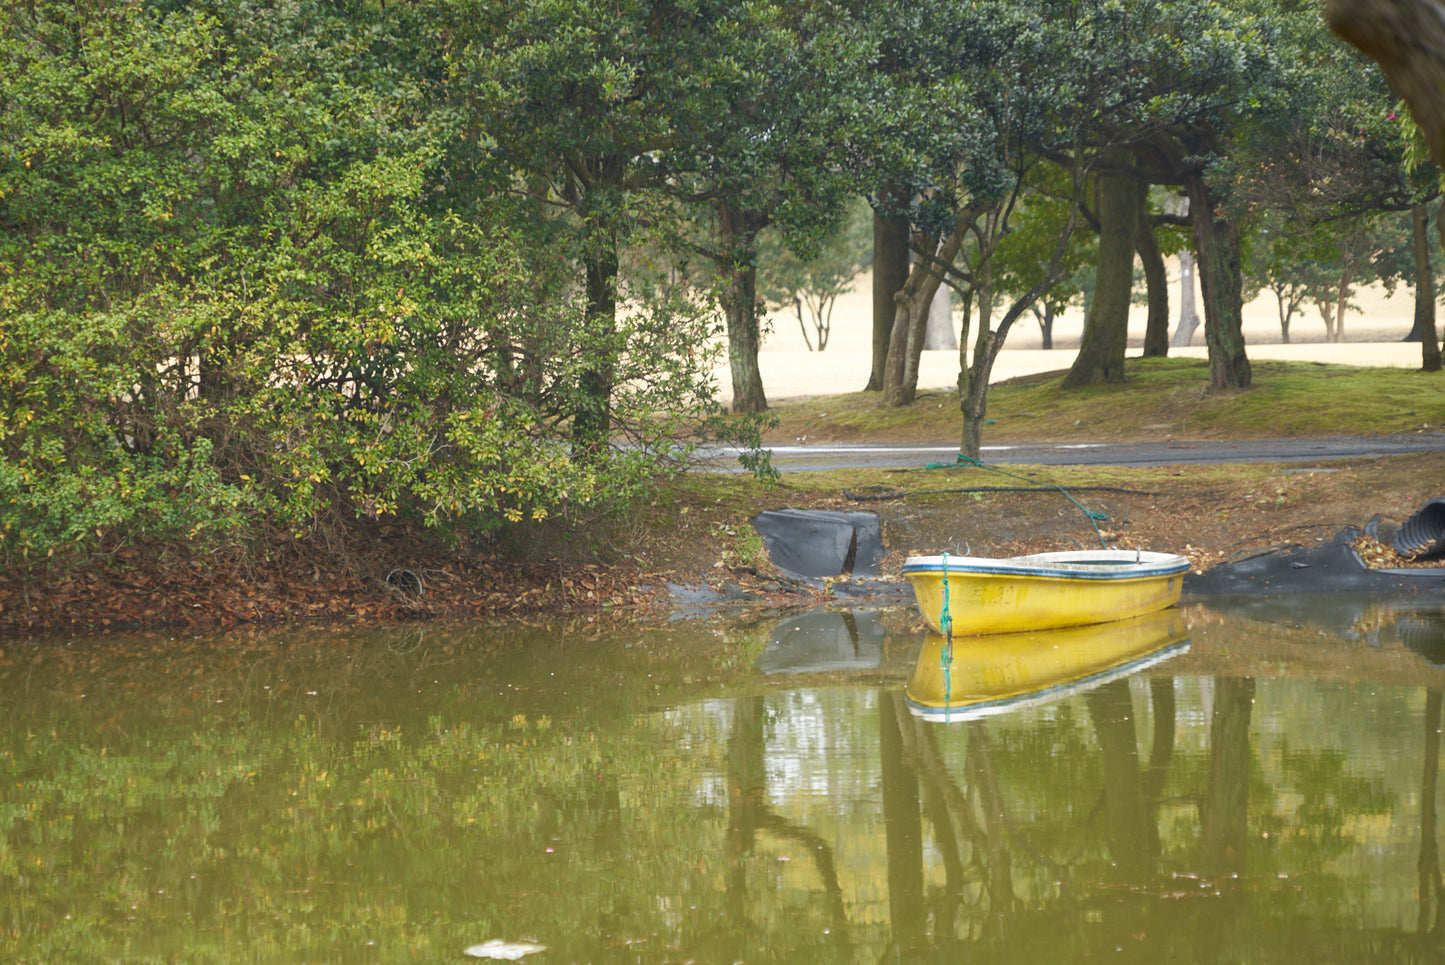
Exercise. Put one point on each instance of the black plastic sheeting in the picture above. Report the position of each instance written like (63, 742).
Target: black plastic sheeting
(1328, 568)
(816, 543)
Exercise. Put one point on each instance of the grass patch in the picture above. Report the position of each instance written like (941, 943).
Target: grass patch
(1161, 398)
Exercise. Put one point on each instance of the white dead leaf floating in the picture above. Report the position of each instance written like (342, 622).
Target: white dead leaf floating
(504, 951)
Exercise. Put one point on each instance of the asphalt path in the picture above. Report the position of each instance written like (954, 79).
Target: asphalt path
(824, 456)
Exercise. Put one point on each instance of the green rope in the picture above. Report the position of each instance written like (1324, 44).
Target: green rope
(1093, 517)
(945, 622)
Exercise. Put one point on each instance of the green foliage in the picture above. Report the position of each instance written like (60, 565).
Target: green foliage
(1035, 228)
(284, 267)
(247, 280)
(787, 281)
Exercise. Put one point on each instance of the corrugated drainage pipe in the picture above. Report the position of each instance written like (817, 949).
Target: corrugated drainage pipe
(1422, 536)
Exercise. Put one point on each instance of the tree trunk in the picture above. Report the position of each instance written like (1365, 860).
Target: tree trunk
(1188, 318)
(918, 321)
(1216, 241)
(592, 406)
(1286, 309)
(1342, 299)
(744, 338)
(890, 271)
(1156, 330)
(740, 305)
(592, 412)
(911, 307)
(1106, 330)
(1044, 315)
(893, 372)
(1325, 304)
(940, 336)
(973, 387)
(1425, 288)
(974, 375)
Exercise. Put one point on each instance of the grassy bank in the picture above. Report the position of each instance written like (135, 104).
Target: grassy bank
(1161, 398)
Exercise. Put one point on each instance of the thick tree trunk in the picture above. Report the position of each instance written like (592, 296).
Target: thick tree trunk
(1216, 241)
(592, 412)
(1425, 290)
(924, 334)
(740, 305)
(1106, 330)
(744, 338)
(890, 272)
(1156, 330)
(592, 406)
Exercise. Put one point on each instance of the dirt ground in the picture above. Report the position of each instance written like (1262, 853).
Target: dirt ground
(1210, 514)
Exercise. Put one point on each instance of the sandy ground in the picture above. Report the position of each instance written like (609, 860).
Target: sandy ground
(1372, 334)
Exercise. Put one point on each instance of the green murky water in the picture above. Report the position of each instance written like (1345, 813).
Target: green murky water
(707, 792)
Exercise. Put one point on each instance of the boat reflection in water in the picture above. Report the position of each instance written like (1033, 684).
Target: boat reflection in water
(979, 676)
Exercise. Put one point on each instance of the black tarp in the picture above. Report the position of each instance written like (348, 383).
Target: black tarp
(1331, 567)
(815, 543)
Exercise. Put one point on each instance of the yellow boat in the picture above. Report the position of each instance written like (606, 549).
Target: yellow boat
(1042, 591)
(979, 676)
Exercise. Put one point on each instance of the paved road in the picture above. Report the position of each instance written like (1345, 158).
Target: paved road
(802, 458)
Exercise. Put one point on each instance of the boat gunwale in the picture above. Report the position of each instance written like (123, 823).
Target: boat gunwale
(1117, 566)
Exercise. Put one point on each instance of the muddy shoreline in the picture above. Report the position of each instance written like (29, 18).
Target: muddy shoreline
(1210, 516)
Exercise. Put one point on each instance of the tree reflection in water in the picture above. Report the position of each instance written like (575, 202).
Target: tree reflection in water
(646, 801)
(749, 814)
(1431, 886)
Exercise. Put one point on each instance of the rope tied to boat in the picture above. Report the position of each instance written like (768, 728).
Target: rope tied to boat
(945, 623)
(1094, 518)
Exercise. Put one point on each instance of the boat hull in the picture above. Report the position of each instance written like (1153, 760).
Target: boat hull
(1043, 591)
(981, 676)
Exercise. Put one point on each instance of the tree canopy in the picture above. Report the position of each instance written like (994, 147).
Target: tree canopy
(310, 266)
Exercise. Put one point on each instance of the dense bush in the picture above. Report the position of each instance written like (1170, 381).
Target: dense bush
(247, 282)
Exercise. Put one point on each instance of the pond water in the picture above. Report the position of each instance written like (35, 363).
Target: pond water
(722, 791)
